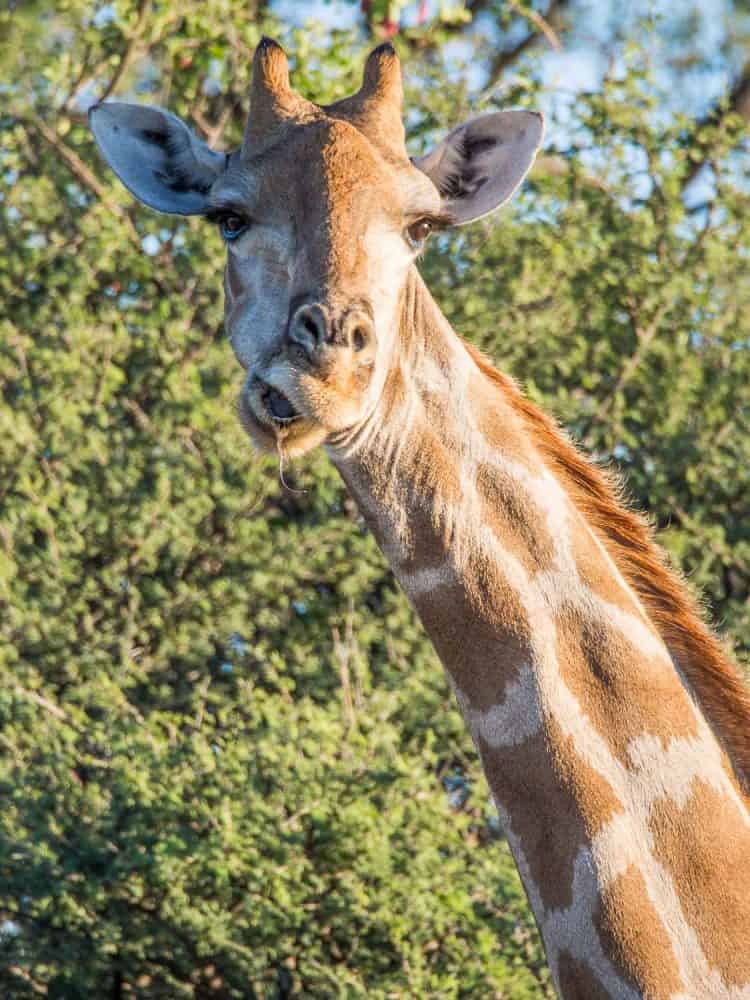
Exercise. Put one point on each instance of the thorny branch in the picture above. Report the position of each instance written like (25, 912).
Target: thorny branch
(544, 27)
(144, 10)
(644, 339)
(738, 103)
(539, 22)
(82, 172)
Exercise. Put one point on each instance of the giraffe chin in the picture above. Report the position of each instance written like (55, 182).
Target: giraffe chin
(292, 438)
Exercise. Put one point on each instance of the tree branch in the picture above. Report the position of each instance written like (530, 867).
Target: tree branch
(738, 103)
(543, 29)
(42, 702)
(79, 78)
(86, 176)
(644, 338)
(541, 25)
(553, 165)
(144, 9)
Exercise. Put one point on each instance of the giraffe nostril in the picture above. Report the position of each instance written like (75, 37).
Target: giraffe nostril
(359, 330)
(309, 329)
(310, 326)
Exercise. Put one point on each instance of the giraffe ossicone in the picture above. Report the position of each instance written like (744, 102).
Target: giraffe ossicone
(613, 730)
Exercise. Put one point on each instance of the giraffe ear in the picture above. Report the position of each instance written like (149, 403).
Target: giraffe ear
(479, 165)
(156, 156)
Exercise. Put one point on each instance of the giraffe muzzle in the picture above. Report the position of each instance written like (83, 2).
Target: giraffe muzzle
(322, 333)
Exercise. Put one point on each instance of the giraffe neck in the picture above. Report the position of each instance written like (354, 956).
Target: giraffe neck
(622, 811)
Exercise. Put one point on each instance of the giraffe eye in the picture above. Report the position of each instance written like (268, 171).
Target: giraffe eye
(418, 232)
(232, 226)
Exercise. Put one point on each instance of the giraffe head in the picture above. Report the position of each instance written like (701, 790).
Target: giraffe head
(323, 214)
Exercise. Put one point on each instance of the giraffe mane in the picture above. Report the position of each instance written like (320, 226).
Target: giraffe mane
(628, 538)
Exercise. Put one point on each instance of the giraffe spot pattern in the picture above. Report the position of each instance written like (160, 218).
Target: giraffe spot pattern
(544, 641)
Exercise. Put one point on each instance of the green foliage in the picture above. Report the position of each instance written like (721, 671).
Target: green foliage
(626, 315)
(226, 742)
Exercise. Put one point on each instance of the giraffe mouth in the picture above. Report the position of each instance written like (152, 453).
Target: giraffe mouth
(268, 405)
(278, 406)
(277, 422)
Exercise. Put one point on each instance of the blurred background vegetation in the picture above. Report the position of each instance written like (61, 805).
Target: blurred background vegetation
(230, 765)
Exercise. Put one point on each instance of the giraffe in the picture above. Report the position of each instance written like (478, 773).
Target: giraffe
(612, 728)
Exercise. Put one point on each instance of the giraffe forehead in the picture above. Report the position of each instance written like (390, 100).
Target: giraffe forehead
(329, 170)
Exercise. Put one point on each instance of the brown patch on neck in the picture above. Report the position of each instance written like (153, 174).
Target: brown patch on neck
(514, 519)
(500, 425)
(481, 638)
(599, 573)
(705, 846)
(632, 933)
(626, 536)
(434, 479)
(577, 982)
(556, 804)
(625, 693)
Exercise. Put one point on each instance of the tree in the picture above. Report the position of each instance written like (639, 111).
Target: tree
(231, 766)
